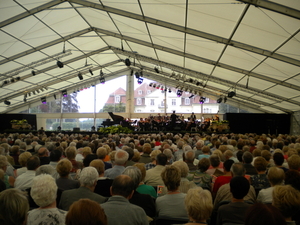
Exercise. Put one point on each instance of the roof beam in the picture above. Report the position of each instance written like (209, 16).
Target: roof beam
(198, 58)
(213, 90)
(30, 12)
(199, 75)
(190, 31)
(46, 45)
(212, 93)
(111, 76)
(275, 7)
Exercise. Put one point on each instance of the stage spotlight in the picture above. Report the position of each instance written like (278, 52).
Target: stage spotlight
(91, 72)
(225, 99)
(102, 80)
(173, 75)
(150, 85)
(202, 100)
(60, 64)
(170, 91)
(131, 73)
(80, 76)
(191, 96)
(54, 96)
(18, 78)
(38, 91)
(6, 102)
(179, 93)
(166, 89)
(191, 80)
(33, 73)
(29, 94)
(127, 62)
(156, 69)
(12, 80)
(158, 86)
(219, 100)
(64, 93)
(137, 75)
(198, 83)
(140, 80)
(43, 100)
(154, 85)
(25, 100)
(162, 88)
(231, 94)
(33, 92)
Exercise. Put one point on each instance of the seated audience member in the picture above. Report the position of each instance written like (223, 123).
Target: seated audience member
(118, 205)
(43, 192)
(201, 178)
(228, 154)
(88, 159)
(103, 183)
(79, 157)
(198, 203)
(8, 180)
(71, 154)
(287, 200)
(102, 153)
(171, 205)
(260, 180)
(88, 180)
(145, 157)
(43, 154)
(13, 207)
(267, 156)
(205, 153)
(276, 177)
(55, 156)
(224, 194)
(24, 181)
(292, 177)
(63, 168)
(262, 214)
(143, 188)
(191, 161)
(145, 201)
(153, 176)
(15, 153)
(120, 160)
(130, 152)
(86, 211)
(153, 163)
(224, 179)
(136, 156)
(45, 169)
(215, 166)
(185, 184)
(247, 160)
(170, 156)
(234, 212)
(294, 162)
(279, 160)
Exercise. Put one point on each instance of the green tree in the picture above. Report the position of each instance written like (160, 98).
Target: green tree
(70, 103)
(113, 108)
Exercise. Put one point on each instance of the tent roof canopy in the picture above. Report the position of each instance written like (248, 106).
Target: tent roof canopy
(209, 47)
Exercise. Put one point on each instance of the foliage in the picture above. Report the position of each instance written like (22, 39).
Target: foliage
(70, 103)
(113, 108)
(224, 121)
(24, 121)
(114, 129)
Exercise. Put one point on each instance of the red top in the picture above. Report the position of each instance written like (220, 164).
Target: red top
(221, 180)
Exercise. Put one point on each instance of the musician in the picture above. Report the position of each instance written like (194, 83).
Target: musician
(191, 123)
(141, 124)
(193, 116)
(173, 119)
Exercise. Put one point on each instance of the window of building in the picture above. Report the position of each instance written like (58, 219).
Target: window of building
(138, 110)
(162, 103)
(187, 101)
(140, 92)
(151, 101)
(206, 100)
(148, 92)
(173, 101)
(139, 101)
(152, 110)
(117, 99)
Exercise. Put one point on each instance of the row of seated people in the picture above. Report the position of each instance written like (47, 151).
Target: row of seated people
(172, 178)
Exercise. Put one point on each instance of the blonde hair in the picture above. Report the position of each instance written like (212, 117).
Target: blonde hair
(260, 164)
(70, 152)
(294, 162)
(287, 200)
(86, 151)
(98, 164)
(198, 203)
(23, 157)
(184, 169)
(275, 176)
(64, 167)
(142, 168)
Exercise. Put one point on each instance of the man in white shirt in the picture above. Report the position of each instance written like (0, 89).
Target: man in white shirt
(24, 181)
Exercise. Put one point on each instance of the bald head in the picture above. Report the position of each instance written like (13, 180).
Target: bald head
(122, 185)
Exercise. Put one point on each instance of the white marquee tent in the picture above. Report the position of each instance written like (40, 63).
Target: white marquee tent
(209, 47)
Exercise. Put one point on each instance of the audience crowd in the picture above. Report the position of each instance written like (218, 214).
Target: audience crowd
(142, 179)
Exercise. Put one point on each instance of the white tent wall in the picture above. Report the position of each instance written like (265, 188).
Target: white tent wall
(295, 123)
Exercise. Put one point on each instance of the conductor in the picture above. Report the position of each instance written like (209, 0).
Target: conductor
(173, 119)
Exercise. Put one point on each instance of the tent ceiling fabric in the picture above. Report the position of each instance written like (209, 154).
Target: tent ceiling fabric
(251, 47)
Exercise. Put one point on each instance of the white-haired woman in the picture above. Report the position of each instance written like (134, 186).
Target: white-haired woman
(43, 192)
